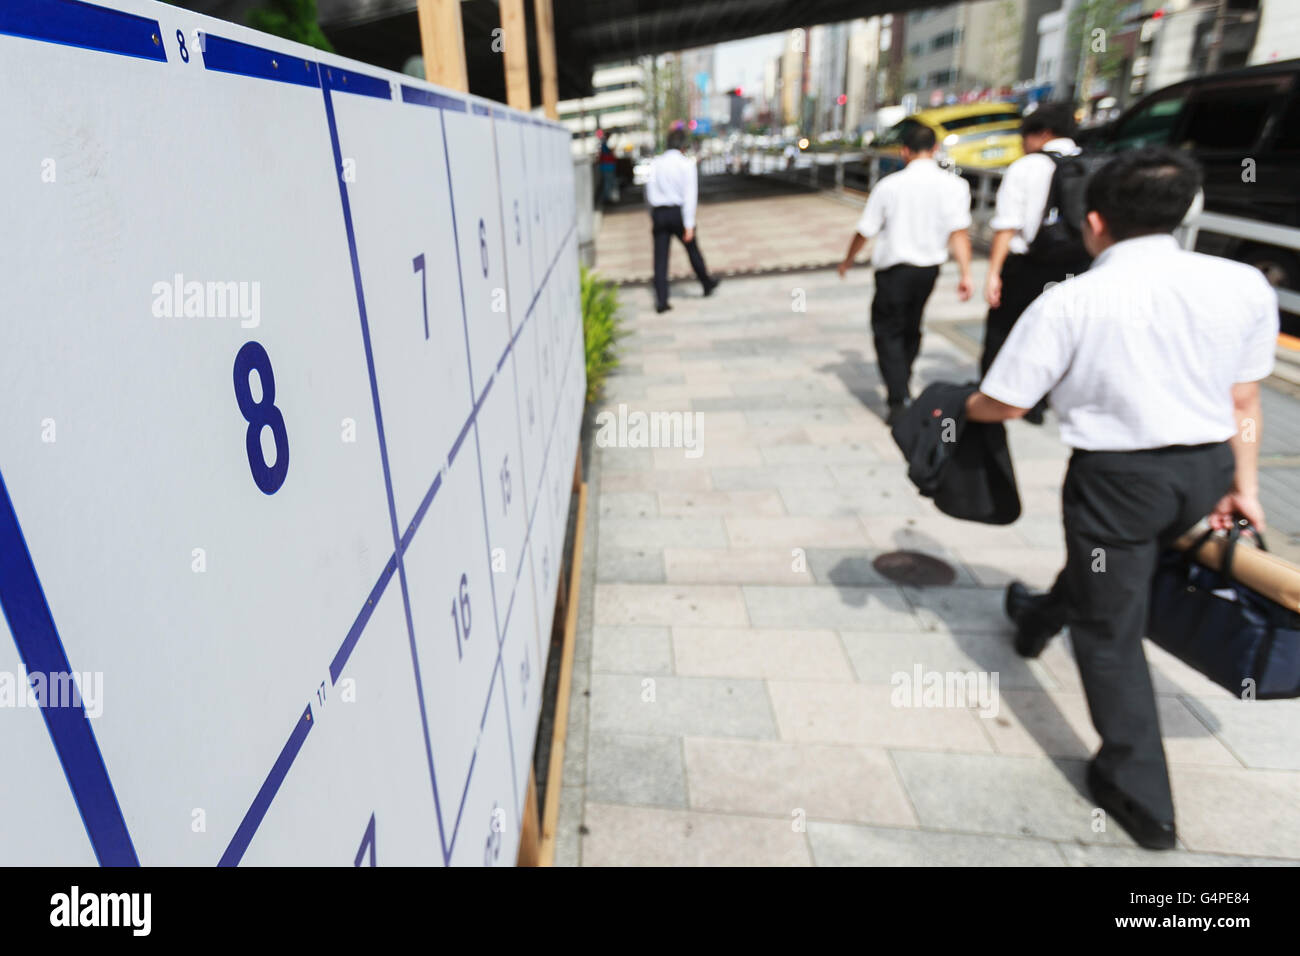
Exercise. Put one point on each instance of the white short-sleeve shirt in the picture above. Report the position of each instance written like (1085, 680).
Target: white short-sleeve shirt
(674, 181)
(1022, 196)
(912, 213)
(1142, 350)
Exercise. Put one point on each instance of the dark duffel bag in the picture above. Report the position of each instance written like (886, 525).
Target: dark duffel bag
(1233, 635)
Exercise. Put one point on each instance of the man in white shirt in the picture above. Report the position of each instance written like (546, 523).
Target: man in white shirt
(1153, 359)
(1015, 277)
(914, 214)
(672, 192)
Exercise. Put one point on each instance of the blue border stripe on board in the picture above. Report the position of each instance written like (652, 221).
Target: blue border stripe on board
(262, 802)
(442, 101)
(349, 81)
(84, 25)
(243, 59)
(481, 110)
(41, 650)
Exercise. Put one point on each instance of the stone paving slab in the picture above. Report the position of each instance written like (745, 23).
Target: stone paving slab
(741, 691)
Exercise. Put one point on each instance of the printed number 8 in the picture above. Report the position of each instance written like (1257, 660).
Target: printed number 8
(253, 358)
(185, 54)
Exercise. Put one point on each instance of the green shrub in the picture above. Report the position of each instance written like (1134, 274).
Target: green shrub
(291, 19)
(601, 328)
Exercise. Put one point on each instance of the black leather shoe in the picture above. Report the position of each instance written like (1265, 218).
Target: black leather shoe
(1145, 829)
(896, 410)
(662, 308)
(713, 284)
(1036, 618)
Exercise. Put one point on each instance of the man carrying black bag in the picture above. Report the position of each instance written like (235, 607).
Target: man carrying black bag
(1153, 359)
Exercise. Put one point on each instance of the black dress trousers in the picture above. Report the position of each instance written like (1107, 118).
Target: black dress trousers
(1120, 510)
(901, 293)
(667, 222)
(1023, 281)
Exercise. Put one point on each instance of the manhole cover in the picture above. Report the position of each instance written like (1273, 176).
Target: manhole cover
(914, 569)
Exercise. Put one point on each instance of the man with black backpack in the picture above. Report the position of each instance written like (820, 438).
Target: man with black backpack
(1037, 225)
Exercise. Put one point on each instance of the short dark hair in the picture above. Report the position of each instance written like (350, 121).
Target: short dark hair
(1144, 191)
(918, 138)
(1056, 118)
(677, 139)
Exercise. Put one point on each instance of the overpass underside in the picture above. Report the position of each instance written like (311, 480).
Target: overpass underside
(587, 32)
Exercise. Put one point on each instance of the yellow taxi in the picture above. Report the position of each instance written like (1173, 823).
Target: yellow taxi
(969, 135)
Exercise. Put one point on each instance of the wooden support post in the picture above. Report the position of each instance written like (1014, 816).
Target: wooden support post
(530, 837)
(560, 727)
(542, 12)
(442, 39)
(514, 47)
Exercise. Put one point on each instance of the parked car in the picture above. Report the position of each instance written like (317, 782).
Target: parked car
(970, 136)
(1243, 126)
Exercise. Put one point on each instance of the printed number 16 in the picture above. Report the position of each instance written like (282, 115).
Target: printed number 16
(461, 621)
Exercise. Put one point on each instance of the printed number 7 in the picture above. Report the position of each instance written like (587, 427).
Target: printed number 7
(417, 265)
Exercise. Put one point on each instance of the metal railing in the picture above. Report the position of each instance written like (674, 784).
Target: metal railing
(861, 169)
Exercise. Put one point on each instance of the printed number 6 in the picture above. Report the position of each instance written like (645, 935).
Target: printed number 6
(253, 358)
(482, 246)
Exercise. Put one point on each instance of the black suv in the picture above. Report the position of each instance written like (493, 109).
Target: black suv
(1243, 126)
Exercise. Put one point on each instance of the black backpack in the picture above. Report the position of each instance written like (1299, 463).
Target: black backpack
(1059, 238)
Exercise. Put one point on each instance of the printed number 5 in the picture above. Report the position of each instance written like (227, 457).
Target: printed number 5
(253, 358)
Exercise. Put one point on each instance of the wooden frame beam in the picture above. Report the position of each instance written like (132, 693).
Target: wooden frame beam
(545, 18)
(514, 49)
(442, 40)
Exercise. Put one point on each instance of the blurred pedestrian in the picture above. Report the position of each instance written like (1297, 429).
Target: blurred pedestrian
(914, 215)
(1153, 359)
(608, 173)
(673, 192)
(1018, 272)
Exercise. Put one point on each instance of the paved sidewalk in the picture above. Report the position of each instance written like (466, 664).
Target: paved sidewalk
(732, 693)
(745, 224)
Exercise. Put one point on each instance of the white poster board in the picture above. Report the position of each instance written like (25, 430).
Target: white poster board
(292, 372)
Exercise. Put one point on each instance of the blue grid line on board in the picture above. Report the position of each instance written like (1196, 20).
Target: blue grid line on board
(421, 510)
(270, 787)
(363, 616)
(31, 623)
(85, 26)
(478, 458)
(508, 353)
(473, 417)
(230, 56)
(383, 451)
(354, 635)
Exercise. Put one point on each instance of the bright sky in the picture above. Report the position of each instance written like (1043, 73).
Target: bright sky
(741, 62)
